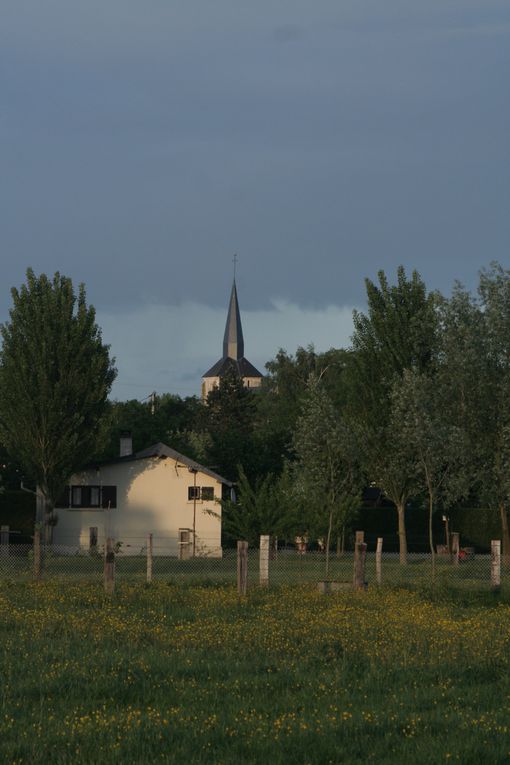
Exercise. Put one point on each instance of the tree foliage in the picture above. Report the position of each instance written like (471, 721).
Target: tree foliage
(397, 334)
(228, 418)
(434, 444)
(326, 469)
(55, 376)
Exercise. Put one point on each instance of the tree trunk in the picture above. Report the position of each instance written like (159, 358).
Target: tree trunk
(431, 536)
(505, 533)
(402, 537)
(328, 542)
(48, 520)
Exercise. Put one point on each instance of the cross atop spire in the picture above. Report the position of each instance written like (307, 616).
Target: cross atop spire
(234, 260)
(233, 342)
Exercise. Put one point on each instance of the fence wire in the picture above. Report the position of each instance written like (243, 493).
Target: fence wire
(286, 566)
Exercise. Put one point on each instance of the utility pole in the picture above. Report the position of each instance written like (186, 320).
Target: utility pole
(194, 471)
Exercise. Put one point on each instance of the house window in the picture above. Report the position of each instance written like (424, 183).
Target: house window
(208, 493)
(76, 496)
(193, 493)
(93, 496)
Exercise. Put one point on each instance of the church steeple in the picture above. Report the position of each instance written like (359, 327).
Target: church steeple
(233, 342)
(233, 352)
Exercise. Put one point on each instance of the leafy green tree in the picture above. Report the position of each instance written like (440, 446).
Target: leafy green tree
(278, 403)
(437, 447)
(55, 376)
(399, 332)
(326, 468)
(255, 511)
(167, 418)
(228, 418)
(494, 432)
(391, 467)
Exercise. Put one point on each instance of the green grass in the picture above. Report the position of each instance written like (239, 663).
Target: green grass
(173, 673)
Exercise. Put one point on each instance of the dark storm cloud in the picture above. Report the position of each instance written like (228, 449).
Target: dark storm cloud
(143, 144)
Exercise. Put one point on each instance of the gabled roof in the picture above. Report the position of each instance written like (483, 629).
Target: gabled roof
(163, 451)
(242, 366)
(233, 342)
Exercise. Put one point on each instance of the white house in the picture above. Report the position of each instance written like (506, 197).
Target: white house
(155, 491)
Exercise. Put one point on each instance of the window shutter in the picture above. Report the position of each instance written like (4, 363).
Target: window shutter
(108, 497)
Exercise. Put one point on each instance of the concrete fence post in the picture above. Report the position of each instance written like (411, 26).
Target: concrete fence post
(495, 565)
(378, 560)
(264, 560)
(455, 547)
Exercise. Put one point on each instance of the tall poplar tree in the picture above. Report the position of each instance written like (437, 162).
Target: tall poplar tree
(55, 376)
(326, 470)
(494, 434)
(397, 333)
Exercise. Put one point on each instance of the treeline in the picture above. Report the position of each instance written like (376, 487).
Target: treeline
(417, 407)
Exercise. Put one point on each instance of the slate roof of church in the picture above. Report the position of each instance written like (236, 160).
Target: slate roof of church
(233, 345)
(243, 367)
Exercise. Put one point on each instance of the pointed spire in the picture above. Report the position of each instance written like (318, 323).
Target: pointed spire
(233, 343)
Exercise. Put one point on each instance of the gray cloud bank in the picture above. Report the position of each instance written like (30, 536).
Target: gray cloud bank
(168, 348)
(142, 144)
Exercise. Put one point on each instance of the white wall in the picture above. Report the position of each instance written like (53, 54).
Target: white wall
(152, 497)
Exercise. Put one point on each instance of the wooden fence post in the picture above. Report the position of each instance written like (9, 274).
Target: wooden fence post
(149, 558)
(359, 540)
(264, 560)
(455, 547)
(109, 567)
(4, 541)
(360, 553)
(37, 554)
(378, 560)
(242, 567)
(495, 565)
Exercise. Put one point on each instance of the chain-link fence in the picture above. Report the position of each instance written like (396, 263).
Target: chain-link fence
(143, 559)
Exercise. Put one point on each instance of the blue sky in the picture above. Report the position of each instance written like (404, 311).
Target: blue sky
(142, 144)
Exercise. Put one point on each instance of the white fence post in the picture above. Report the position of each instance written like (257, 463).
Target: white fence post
(264, 560)
(378, 560)
(455, 547)
(495, 565)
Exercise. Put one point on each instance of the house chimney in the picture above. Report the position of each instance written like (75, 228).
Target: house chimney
(126, 443)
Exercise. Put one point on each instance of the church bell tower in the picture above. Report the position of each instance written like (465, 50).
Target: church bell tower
(233, 352)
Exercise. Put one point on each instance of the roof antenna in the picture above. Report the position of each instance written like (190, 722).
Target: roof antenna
(234, 259)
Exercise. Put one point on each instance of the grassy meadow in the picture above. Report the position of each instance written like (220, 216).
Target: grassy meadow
(173, 673)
